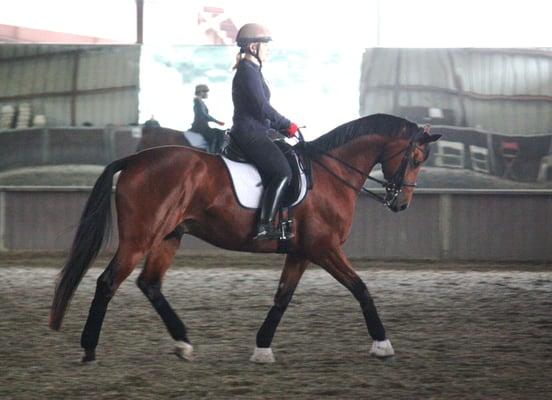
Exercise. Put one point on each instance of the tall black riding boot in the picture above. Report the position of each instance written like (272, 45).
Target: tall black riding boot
(269, 207)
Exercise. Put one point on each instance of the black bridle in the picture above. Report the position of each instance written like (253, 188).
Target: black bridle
(393, 187)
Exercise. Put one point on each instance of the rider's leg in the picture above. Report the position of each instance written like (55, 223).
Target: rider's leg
(276, 172)
(269, 207)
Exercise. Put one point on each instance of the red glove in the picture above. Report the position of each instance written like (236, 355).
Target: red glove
(292, 129)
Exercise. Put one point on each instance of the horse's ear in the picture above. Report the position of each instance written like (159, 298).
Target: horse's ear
(429, 138)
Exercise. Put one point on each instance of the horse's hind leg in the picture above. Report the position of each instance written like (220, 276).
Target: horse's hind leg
(116, 272)
(150, 281)
(291, 274)
(337, 264)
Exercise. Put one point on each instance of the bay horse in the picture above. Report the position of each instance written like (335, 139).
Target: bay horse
(165, 192)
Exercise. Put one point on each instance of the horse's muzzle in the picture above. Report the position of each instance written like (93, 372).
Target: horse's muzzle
(399, 203)
(397, 208)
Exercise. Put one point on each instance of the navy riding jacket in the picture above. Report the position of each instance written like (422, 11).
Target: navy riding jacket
(201, 117)
(253, 114)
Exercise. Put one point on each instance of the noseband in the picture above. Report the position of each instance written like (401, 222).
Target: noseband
(393, 187)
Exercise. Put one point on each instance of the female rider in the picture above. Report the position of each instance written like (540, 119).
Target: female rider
(253, 116)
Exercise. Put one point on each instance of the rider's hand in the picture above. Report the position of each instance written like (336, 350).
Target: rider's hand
(220, 123)
(292, 130)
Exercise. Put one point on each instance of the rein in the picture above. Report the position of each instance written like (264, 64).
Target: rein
(392, 187)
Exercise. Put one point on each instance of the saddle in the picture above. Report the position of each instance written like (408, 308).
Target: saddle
(240, 169)
(300, 167)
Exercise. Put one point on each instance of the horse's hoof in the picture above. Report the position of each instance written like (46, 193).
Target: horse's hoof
(262, 355)
(89, 357)
(184, 350)
(382, 349)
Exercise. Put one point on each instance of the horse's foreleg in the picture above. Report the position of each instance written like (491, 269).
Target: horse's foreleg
(291, 274)
(116, 272)
(150, 281)
(337, 264)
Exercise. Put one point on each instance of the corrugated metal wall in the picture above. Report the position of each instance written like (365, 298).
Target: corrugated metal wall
(71, 85)
(500, 90)
(116, 67)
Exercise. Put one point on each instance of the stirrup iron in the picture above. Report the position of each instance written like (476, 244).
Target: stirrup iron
(286, 232)
(267, 231)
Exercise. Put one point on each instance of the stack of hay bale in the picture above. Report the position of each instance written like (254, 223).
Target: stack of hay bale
(7, 113)
(23, 116)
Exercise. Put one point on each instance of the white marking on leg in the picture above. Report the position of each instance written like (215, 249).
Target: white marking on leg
(382, 349)
(184, 350)
(262, 355)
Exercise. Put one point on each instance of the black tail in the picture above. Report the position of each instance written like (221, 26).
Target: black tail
(94, 224)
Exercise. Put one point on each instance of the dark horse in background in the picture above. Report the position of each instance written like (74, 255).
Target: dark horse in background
(155, 136)
(165, 192)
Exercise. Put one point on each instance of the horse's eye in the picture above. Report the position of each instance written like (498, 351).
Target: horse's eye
(416, 163)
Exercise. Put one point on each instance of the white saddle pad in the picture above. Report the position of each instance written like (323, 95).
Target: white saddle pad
(196, 139)
(248, 184)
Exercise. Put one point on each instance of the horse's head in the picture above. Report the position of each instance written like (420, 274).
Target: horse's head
(401, 162)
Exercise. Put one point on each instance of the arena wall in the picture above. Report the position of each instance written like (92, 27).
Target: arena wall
(439, 225)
